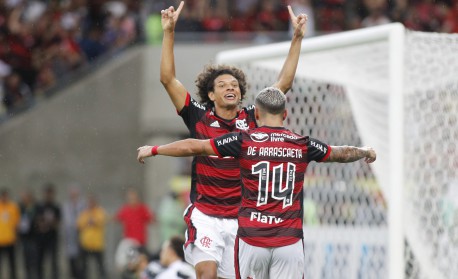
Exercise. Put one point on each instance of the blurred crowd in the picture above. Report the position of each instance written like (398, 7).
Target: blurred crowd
(44, 40)
(324, 15)
(36, 233)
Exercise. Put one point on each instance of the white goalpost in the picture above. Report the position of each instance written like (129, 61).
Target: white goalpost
(397, 91)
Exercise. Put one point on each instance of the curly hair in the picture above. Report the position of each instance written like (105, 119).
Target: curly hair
(205, 81)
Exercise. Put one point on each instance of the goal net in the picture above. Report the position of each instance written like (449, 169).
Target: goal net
(397, 91)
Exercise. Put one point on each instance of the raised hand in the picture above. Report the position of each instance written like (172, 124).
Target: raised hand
(298, 22)
(169, 17)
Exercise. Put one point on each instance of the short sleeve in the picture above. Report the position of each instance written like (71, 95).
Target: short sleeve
(148, 214)
(227, 145)
(317, 151)
(192, 112)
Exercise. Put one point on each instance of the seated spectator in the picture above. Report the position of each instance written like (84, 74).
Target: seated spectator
(376, 17)
(139, 266)
(172, 259)
(92, 45)
(425, 15)
(451, 19)
(267, 19)
(215, 18)
(330, 18)
(120, 30)
(20, 43)
(242, 15)
(16, 93)
(190, 20)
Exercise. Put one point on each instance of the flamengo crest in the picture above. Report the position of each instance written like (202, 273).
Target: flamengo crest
(241, 124)
(206, 242)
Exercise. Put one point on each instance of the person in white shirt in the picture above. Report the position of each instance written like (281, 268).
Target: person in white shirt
(172, 259)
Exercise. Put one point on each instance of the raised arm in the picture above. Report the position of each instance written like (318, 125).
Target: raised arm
(181, 148)
(347, 154)
(288, 71)
(174, 87)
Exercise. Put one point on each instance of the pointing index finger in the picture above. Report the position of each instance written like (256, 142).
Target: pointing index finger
(178, 11)
(291, 13)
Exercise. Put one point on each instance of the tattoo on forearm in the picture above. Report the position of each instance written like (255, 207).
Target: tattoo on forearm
(345, 154)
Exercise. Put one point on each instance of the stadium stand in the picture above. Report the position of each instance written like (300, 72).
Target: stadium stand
(45, 41)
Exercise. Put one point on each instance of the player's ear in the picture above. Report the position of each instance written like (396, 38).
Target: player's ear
(256, 113)
(211, 95)
(285, 113)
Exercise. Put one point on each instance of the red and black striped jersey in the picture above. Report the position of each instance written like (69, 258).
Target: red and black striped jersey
(273, 161)
(216, 184)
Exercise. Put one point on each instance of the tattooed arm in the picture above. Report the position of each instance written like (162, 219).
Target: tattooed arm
(346, 154)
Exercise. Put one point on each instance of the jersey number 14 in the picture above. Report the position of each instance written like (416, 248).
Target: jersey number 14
(280, 190)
